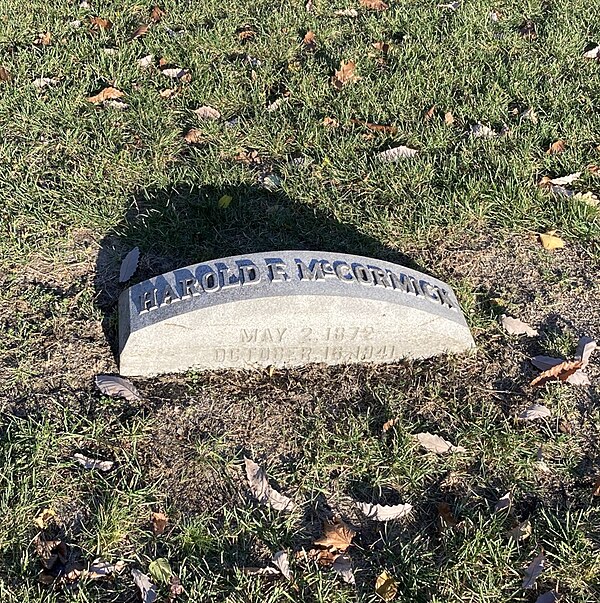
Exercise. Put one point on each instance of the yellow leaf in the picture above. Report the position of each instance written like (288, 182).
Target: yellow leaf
(43, 519)
(386, 586)
(224, 201)
(550, 241)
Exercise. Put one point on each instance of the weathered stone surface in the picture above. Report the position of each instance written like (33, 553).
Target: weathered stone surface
(286, 308)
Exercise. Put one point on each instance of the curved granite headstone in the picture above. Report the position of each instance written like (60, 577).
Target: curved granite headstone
(286, 308)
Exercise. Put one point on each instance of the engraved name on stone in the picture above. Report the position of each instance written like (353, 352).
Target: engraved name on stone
(286, 308)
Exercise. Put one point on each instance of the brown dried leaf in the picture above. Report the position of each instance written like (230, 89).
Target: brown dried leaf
(207, 112)
(142, 30)
(44, 518)
(159, 522)
(43, 39)
(5, 75)
(446, 516)
(169, 93)
(156, 14)
(550, 241)
(337, 535)
(106, 94)
(50, 551)
(545, 362)
(376, 127)
(309, 40)
(389, 424)
(429, 114)
(374, 4)
(448, 118)
(344, 75)
(323, 557)
(556, 147)
(259, 486)
(383, 47)
(560, 372)
(98, 23)
(329, 122)
(514, 326)
(195, 136)
(437, 444)
(594, 169)
(246, 33)
(117, 387)
(535, 568)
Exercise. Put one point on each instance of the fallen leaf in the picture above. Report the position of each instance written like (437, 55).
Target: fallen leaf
(446, 516)
(437, 444)
(246, 33)
(429, 114)
(386, 586)
(520, 532)
(99, 569)
(89, 463)
(98, 23)
(550, 241)
(44, 518)
(129, 265)
(260, 571)
(585, 347)
(329, 122)
(514, 326)
(177, 74)
(323, 557)
(560, 372)
(147, 589)
(396, 154)
(594, 169)
(389, 424)
(549, 597)
(478, 130)
(224, 201)
(280, 559)
(159, 522)
(504, 503)
(156, 14)
(529, 115)
(117, 387)
(448, 118)
(5, 75)
(42, 82)
(569, 179)
(270, 181)
(116, 104)
(344, 75)
(452, 6)
(276, 104)
(374, 4)
(596, 489)
(337, 535)
(195, 136)
(169, 93)
(376, 127)
(43, 39)
(556, 147)
(206, 112)
(145, 61)
(494, 16)
(535, 568)
(346, 12)
(593, 53)
(142, 30)
(342, 565)
(160, 570)
(259, 486)
(535, 411)
(527, 29)
(309, 40)
(52, 553)
(383, 47)
(175, 588)
(384, 512)
(106, 94)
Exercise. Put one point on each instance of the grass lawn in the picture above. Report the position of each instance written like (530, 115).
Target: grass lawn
(83, 183)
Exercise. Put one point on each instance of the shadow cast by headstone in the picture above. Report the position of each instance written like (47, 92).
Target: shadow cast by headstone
(186, 224)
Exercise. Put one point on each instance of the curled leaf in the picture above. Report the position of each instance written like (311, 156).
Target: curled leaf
(159, 522)
(556, 147)
(396, 154)
(550, 241)
(309, 40)
(505, 503)
(280, 559)
(560, 372)
(259, 486)
(384, 512)
(374, 4)
(106, 94)
(90, 463)
(117, 387)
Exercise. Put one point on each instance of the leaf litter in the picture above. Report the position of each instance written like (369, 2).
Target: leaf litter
(514, 326)
(262, 491)
(159, 522)
(437, 444)
(344, 75)
(109, 93)
(386, 586)
(560, 372)
(337, 535)
(504, 503)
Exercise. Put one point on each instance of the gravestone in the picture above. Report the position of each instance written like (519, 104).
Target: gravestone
(286, 308)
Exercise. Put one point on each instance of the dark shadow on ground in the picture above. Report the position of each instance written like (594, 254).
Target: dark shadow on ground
(178, 226)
